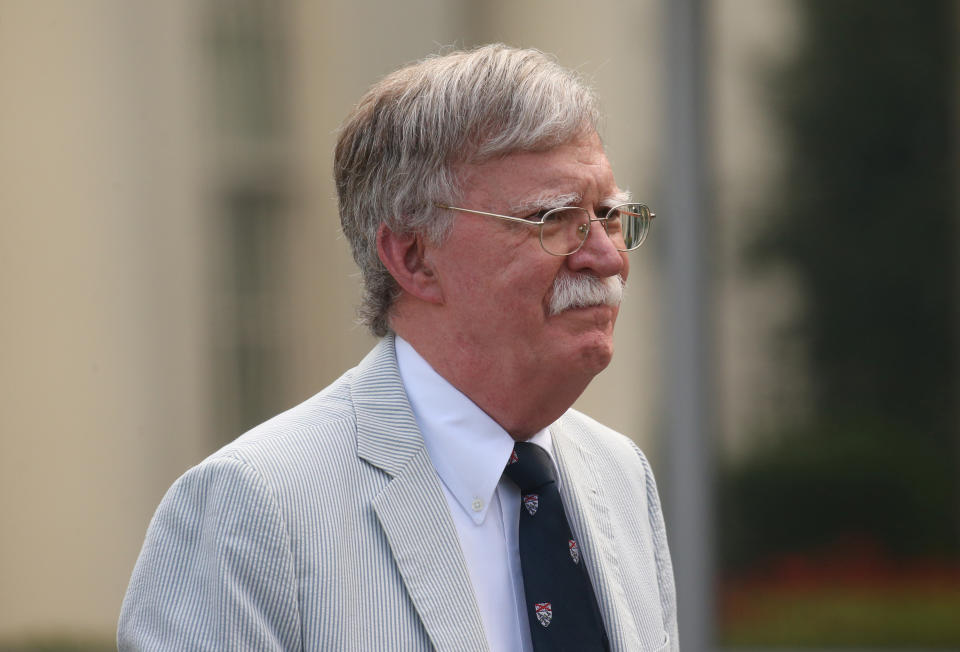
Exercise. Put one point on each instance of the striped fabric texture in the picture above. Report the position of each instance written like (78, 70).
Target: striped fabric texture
(326, 528)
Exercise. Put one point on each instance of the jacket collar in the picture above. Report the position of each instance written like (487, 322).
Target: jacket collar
(587, 503)
(411, 507)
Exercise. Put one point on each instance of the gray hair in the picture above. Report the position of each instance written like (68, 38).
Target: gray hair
(397, 152)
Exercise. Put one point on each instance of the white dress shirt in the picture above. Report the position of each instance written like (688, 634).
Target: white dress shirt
(469, 450)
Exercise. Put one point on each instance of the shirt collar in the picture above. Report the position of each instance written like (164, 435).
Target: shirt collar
(468, 449)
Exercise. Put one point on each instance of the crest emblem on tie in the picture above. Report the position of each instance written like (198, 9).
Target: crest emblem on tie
(574, 552)
(532, 502)
(544, 611)
(513, 458)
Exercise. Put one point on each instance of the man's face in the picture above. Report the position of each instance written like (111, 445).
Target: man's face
(497, 281)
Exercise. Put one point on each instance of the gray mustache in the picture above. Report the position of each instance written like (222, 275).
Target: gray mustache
(583, 290)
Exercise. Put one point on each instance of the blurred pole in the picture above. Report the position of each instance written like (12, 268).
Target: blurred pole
(956, 263)
(689, 481)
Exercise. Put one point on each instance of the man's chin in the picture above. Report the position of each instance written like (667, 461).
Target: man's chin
(597, 353)
(591, 330)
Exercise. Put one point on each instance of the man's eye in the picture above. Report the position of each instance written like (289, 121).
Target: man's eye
(538, 216)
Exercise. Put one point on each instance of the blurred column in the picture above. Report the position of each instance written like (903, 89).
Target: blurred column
(102, 341)
(688, 483)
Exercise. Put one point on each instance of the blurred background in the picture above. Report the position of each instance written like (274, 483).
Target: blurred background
(172, 273)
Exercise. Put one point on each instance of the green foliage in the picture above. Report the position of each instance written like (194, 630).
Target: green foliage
(860, 481)
(867, 220)
(868, 216)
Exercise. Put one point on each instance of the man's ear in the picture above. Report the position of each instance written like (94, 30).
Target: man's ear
(405, 259)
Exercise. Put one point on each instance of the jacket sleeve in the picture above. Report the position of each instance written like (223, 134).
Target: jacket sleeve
(215, 571)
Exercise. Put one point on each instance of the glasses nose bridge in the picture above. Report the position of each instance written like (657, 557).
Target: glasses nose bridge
(591, 218)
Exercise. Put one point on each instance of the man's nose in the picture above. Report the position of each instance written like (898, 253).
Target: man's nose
(598, 254)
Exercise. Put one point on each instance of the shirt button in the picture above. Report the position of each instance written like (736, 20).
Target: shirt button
(477, 505)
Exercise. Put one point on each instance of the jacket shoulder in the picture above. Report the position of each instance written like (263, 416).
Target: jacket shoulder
(322, 425)
(599, 438)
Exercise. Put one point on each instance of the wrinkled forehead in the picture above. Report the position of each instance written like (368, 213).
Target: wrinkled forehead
(569, 174)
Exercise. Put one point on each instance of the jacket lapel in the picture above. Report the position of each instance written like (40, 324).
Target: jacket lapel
(411, 508)
(588, 513)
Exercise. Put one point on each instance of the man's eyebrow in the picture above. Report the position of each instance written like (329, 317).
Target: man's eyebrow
(619, 197)
(546, 202)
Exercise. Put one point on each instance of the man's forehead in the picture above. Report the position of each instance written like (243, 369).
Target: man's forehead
(573, 173)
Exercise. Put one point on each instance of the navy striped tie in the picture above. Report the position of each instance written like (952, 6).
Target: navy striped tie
(561, 606)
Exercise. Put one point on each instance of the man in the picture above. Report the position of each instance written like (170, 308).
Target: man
(378, 515)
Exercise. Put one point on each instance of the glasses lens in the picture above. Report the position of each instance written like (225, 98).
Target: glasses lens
(627, 225)
(564, 230)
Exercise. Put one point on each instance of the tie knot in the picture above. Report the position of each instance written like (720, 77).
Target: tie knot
(530, 467)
